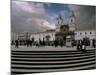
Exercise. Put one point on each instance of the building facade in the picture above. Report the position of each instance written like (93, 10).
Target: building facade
(64, 33)
(79, 35)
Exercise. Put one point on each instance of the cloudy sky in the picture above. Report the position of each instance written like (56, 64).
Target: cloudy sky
(29, 16)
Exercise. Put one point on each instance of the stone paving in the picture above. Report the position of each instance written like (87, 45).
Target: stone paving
(46, 48)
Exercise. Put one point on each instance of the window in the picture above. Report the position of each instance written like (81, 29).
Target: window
(90, 32)
(71, 20)
(85, 32)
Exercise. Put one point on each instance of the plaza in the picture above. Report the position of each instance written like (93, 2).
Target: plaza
(47, 48)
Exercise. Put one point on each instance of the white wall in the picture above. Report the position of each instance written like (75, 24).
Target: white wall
(43, 35)
(79, 36)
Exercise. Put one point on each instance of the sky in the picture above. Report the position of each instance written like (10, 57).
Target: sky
(30, 16)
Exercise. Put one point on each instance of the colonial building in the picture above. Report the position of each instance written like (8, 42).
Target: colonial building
(48, 35)
(64, 33)
(89, 34)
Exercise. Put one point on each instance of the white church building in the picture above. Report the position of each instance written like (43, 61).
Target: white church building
(78, 34)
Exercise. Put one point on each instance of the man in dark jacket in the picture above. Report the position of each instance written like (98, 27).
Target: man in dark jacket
(16, 43)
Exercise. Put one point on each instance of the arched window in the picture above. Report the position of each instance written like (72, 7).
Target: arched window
(90, 32)
(80, 33)
(85, 33)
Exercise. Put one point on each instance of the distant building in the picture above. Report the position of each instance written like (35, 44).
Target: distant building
(91, 34)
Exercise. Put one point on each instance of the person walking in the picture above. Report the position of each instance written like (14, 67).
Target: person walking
(83, 47)
(16, 43)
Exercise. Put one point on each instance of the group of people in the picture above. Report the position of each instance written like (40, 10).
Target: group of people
(80, 44)
(18, 43)
(40, 43)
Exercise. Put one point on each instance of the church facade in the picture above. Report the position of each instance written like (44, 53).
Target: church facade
(65, 32)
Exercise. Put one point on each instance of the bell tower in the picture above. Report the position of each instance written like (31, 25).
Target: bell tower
(72, 22)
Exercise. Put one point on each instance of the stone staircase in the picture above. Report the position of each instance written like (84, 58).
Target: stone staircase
(27, 62)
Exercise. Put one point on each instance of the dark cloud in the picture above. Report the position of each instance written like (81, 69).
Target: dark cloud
(85, 16)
